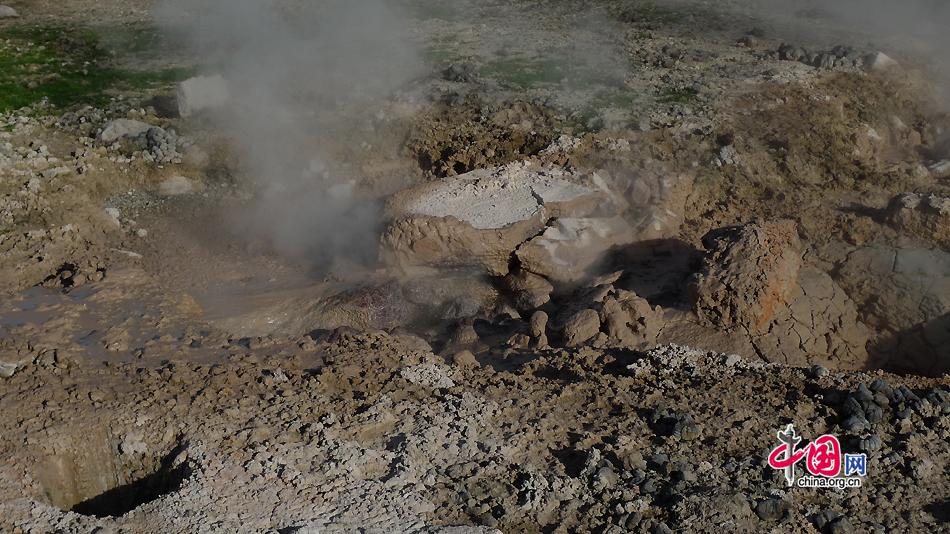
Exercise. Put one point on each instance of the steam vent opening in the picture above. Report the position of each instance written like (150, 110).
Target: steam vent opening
(97, 480)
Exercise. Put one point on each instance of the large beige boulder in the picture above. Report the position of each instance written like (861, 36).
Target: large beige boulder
(921, 215)
(479, 218)
(570, 246)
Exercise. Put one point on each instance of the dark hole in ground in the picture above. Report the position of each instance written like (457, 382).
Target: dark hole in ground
(123, 499)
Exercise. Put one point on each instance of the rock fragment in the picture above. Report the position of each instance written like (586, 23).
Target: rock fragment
(922, 215)
(7, 12)
(581, 327)
(119, 128)
(771, 509)
(530, 290)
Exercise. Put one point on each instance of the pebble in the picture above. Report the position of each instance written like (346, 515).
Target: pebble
(870, 444)
(771, 509)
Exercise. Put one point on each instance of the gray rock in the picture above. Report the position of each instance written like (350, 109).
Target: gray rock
(826, 517)
(771, 509)
(874, 414)
(870, 444)
(604, 479)
(119, 128)
(460, 72)
(7, 12)
(818, 371)
(461, 530)
(842, 525)
(480, 218)
(630, 521)
(749, 40)
(856, 423)
(200, 93)
(428, 375)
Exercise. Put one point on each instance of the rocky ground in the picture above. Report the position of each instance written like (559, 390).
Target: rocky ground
(463, 303)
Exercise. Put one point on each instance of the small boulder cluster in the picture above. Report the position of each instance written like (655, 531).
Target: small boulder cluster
(840, 56)
(152, 143)
(867, 406)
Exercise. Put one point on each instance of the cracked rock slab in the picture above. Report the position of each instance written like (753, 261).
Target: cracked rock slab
(480, 218)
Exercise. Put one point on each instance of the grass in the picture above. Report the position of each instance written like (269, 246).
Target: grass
(436, 55)
(527, 73)
(675, 97)
(69, 66)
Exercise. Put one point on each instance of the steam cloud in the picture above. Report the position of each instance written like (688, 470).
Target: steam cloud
(288, 64)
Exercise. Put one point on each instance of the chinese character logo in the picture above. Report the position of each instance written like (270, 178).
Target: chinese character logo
(823, 459)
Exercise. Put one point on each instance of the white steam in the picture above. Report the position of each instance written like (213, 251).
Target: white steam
(287, 65)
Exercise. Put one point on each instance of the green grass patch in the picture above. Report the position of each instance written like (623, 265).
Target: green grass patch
(675, 97)
(527, 73)
(69, 66)
(653, 13)
(436, 55)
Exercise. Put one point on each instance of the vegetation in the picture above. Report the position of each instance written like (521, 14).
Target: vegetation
(527, 73)
(68, 66)
(675, 97)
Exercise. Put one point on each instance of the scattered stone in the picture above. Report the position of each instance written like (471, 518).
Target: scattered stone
(119, 128)
(771, 509)
(7, 12)
(54, 172)
(464, 358)
(530, 290)
(749, 41)
(460, 72)
(823, 519)
(870, 444)
(842, 525)
(428, 375)
(819, 371)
